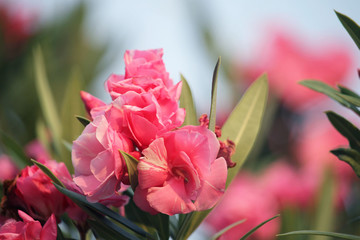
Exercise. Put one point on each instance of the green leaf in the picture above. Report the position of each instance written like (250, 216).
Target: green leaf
(347, 91)
(242, 127)
(320, 233)
(257, 227)
(345, 128)
(350, 99)
(14, 151)
(221, 232)
(187, 102)
(46, 100)
(212, 117)
(83, 120)
(131, 164)
(160, 221)
(350, 156)
(351, 27)
(97, 210)
(48, 172)
(244, 123)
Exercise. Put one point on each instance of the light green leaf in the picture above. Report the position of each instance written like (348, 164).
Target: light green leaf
(345, 128)
(14, 151)
(221, 232)
(97, 211)
(84, 121)
(131, 164)
(48, 172)
(244, 123)
(351, 27)
(212, 117)
(320, 233)
(241, 127)
(46, 100)
(257, 227)
(347, 91)
(187, 102)
(350, 99)
(350, 156)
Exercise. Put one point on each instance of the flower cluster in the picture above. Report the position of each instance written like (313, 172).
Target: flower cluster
(179, 170)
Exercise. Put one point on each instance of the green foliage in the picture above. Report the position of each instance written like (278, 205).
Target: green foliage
(187, 102)
(212, 116)
(221, 232)
(131, 164)
(320, 233)
(14, 150)
(351, 27)
(257, 227)
(48, 172)
(350, 156)
(83, 120)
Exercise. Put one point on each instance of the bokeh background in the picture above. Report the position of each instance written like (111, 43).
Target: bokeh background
(290, 171)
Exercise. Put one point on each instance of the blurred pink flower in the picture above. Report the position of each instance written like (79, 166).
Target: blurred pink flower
(8, 170)
(33, 192)
(180, 173)
(99, 167)
(37, 151)
(29, 228)
(287, 62)
(245, 199)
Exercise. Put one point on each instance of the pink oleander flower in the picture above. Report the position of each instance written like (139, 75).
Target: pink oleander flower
(287, 62)
(180, 172)
(245, 199)
(33, 192)
(28, 229)
(8, 170)
(90, 101)
(99, 167)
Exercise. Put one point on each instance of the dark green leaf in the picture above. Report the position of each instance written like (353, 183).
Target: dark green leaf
(256, 228)
(97, 208)
(131, 164)
(345, 128)
(187, 102)
(84, 121)
(328, 234)
(14, 151)
(350, 156)
(48, 172)
(347, 91)
(212, 117)
(221, 232)
(47, 102)
(351, 27)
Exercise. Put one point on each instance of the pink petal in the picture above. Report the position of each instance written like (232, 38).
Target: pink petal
(103, 165)
(213, 186)
(141, 201)
(49, 231)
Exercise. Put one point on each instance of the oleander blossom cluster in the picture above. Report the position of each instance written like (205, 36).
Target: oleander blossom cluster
(179, 170)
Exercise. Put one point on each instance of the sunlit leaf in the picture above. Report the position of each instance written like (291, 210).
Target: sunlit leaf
(320, 233)
(351, 27)
(212, 117)
(221, 232)
(345, 128)
(14, 150)
(46, 100)
(243, 124)
(48, 172)
(187, 102)
(350, 156)
(131, 164)
(257, 227)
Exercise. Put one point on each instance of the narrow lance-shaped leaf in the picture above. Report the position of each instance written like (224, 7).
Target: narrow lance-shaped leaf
(131, 164)
(243, 124)
(46, 100)
(187, 102)
(257, 227)
(48, 172)
(221, 232)
(350, 156)
(94, 209)
(242, 127)
(14, 150)
(212, 117)
(350, 99)
(351, 27)
(347, 91)
(83, 120)
(328, 234)
(345, 128)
